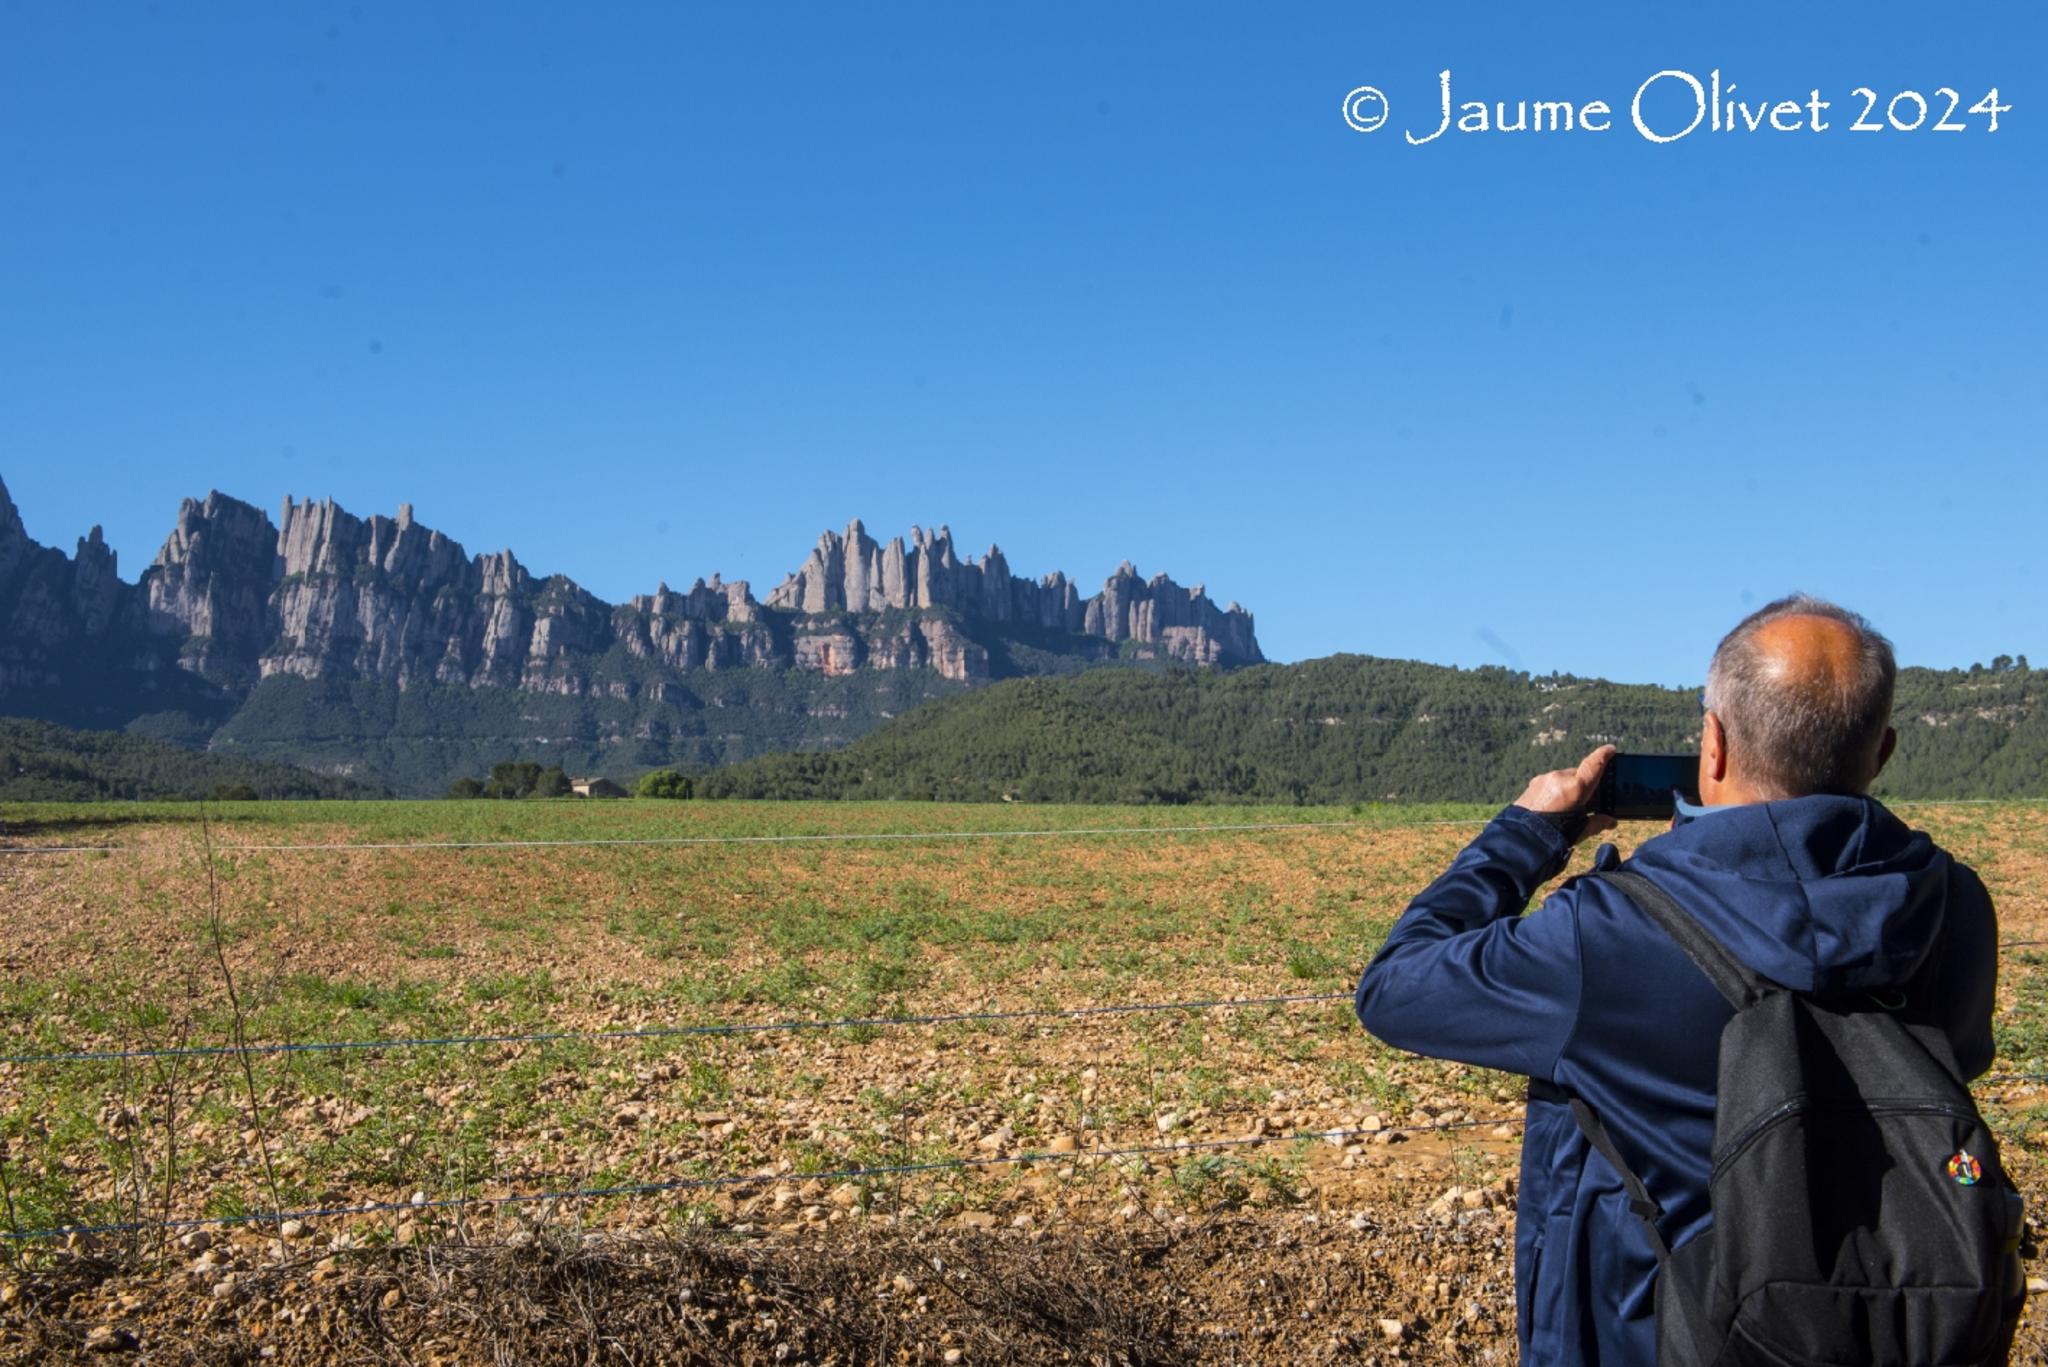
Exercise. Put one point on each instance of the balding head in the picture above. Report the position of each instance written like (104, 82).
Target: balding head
(1803, 690)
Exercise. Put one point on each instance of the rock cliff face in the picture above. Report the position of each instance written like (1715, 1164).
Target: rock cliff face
(211, 585)
(388, 599)
(58, 614)
(234, 599)
(852, 573)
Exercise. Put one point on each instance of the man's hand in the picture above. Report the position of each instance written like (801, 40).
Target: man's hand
(1562, 792)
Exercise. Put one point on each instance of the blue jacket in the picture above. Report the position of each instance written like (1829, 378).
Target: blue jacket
(1588, 997)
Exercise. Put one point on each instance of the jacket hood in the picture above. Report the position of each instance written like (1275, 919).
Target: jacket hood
(1820, 894)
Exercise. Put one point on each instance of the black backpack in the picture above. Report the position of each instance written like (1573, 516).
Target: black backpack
(1860, 1212)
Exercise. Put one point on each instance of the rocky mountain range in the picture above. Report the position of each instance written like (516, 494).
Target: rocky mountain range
(244, 630)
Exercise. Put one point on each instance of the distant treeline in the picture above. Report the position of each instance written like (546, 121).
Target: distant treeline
(1349, 728)
(1354, 728)
(526, 778)
(515, 779)
(41, 762)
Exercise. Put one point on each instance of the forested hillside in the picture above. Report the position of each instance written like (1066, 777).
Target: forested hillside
(1354, 728)
(40, 762)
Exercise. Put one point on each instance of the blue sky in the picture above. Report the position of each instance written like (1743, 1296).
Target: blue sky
(648, 291)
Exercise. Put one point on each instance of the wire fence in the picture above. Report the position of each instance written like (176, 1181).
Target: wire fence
(670, 1031)
(865, 1173)
(790, 838)
(855, 1174)
(705, 1183)
(715, 1028)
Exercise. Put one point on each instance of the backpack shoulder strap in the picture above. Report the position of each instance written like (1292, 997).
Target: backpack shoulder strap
(1640, 1203)
(1733, 979)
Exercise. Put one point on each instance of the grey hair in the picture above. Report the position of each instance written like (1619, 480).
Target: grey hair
(1794, 736)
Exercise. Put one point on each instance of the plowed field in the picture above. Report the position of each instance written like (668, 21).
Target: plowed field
(1211, 1181)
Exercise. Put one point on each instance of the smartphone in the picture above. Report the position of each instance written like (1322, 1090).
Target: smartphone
(1641, 787)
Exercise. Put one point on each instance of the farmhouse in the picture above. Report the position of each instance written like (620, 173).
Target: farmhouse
(595, 787)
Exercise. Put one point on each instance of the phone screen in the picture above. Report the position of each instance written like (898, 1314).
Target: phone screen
(1640, 787)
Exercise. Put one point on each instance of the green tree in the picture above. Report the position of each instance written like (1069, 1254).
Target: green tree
(665, 783)
(512, 778)
(465, 787)
(551, 782)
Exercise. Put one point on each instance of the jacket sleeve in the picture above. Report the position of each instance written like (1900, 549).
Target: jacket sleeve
(1464, 976)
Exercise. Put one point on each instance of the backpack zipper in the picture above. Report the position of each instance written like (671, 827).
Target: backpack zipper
(1755, 1130)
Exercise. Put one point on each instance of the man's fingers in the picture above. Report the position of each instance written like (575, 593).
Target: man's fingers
(1566, 790)
(1591, 765)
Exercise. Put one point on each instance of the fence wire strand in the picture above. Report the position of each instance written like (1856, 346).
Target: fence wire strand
(844, 837)
(1339, 1136)
(708, 1029)
(815, 837)
(668, 1031)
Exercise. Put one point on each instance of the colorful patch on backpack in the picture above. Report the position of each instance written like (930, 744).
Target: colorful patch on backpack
(1965, 1169)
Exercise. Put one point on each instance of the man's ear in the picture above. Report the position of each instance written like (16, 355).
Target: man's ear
(1713, 749)
(1884, 750)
